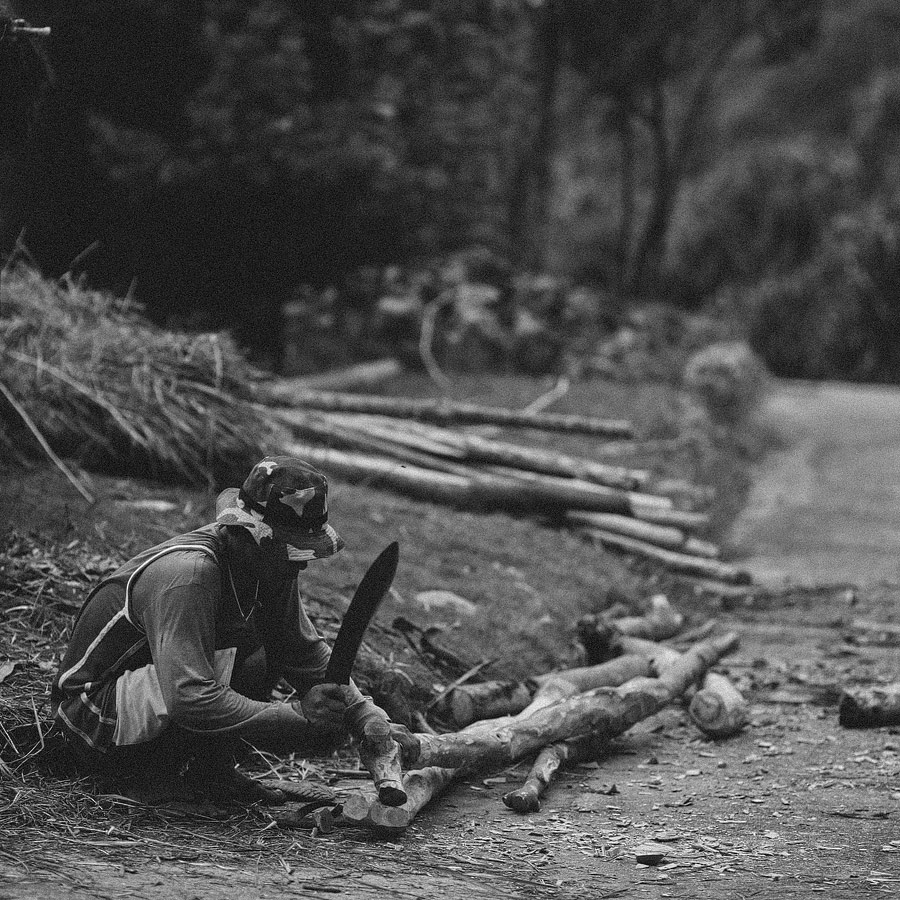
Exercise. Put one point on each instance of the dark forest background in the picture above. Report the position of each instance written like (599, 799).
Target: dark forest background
(271, 166)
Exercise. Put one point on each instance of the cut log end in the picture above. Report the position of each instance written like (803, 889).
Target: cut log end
(719, 709)
(870, 707)
(389, 821)
(523, 800)
(391, 794)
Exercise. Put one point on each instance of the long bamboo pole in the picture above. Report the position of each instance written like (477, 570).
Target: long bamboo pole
(445, 412)
(677, 562)
(480, 491)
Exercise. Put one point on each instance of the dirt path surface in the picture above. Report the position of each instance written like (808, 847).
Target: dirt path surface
(826, 507)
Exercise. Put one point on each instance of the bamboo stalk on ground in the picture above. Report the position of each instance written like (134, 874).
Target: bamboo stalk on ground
(476, 492)
(316, 427)
(665, 536)
(604, 711)
(677, 518)
(677, 562)
(445, 412)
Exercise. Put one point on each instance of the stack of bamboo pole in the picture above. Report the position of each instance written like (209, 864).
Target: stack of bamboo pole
(420, 448)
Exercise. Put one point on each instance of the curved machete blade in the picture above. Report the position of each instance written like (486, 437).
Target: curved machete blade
(366, 599)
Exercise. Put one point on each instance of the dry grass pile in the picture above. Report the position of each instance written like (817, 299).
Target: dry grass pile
(104, 386)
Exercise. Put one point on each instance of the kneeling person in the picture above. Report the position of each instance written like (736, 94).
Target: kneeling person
(174, 656)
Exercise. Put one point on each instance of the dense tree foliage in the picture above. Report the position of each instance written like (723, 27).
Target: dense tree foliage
(213, 157)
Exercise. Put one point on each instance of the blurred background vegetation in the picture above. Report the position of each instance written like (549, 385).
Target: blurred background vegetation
(553, 179)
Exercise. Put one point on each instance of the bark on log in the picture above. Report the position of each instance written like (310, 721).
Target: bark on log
(380, 754)
(676, 562)
(527, 798)
(481, 492)
(420, 786)
(487, 700)
(444, 412)
(721, 709)
(497, 699)
(600, 634)
(604, 711)
(870, 707)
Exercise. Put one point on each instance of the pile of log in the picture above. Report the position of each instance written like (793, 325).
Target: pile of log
(565, 718)
(425, 449)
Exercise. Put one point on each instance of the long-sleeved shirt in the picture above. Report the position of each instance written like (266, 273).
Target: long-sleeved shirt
(156, 643)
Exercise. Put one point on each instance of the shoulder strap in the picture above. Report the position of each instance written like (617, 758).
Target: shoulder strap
(134, 575)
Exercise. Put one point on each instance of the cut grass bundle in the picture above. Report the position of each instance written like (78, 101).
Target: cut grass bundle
(105, 386)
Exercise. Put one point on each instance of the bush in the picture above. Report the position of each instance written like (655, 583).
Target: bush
(838, 315)
(728, 378)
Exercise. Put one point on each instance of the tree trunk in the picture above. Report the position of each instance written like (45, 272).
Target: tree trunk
(530, 189)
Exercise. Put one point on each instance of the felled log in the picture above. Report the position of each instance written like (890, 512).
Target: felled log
(872, 706)
(604, 711)
(721, 710)
(380, 754)
(486, 700)
(666, 536)
(334, 434)
(420, 786)
(527, 798)
(599, 633)
(477, 492)
(494, 699)
(477, 449)
(677, 518)
(674, 561)
(577, 489)
(695, 546)
(445, 412)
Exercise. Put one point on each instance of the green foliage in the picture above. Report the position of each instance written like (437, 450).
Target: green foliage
(838, 315)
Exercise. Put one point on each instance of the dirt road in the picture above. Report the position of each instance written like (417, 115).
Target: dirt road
(826, 507)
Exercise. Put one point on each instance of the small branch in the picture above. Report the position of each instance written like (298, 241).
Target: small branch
(560, 389)
(461, 681)
(23, 415)
(426, 341)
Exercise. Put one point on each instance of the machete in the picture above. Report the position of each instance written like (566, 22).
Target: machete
(371, 591)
